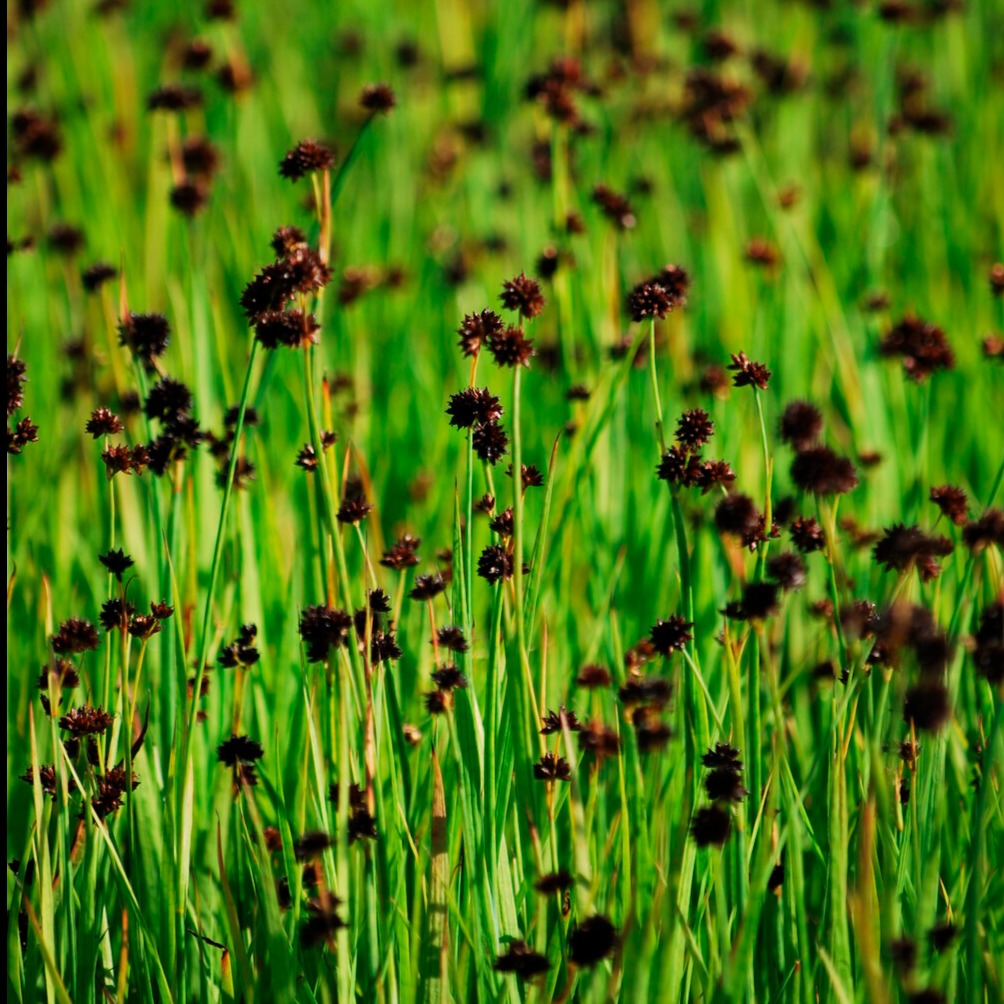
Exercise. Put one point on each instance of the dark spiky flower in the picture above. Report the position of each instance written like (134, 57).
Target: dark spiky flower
(923, 348)
(715, 474)
(820, 471)
(426, 587)
(801, 424)
(311, 844)
(759, 601)
(323, 922)
(944, 933)
(762, 252)
(117, 460)
(402, 554)
(651, 691)
(473, 406)
(552, 722)
(903, 547)
(694, 428)
(103, 423)
(554, 882)
(16, 370)
(592, 941)
(599, 740)
(47, 779)
(988, 648)
(436, 702)
(377, 98)
(146, 336)
(530, 476)
(747, 373)
(96, 275)
(614, 206)
(168, 400)
(173, 98)
(787, 569)
(478, 330)
(490, 442)
(510, 347)
(287, 240)
(449, 677)
(495, 563)
(307, 458)
(23, 433)
(593, 676)
(305, 158)
(323, 628)
(289, 328)
(116, 562)
(502, 523)
(671, 635)
(650, 732)
(737, 514)
(723, 755)
(952, 502)
(189, 197)
(807, 535)
(452, 639)
(75, 635)
(649, 299)
(978, 534)
(110, 789)
(35, 136)
(926, 705)
(115, 614)
(522, 295)
(724, 784)
(86, 721)
(239, 750)
(711, 826)
(680, 468)
(242, 651)
(354, 510)
(521, 959)
(552, 768)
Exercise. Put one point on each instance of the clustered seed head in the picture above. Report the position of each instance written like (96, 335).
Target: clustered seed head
(952, 502)
(495, 563)
(737, 515)
(551, 767)
(801, 425)
(903, 547)
(473, 406)
(86, 721)
(103, 423)
(377, 98)
(806, 534)
(555, 721)
(759, 601)
(239, 750)
(787, 569)
(490, 442)
(923, 348)
(521, 959)
(402, 554)
(615, 207)
(659, 294)
(558, 88)
(427, 587)
(522, 295)
(711, 103)
(478, 330)
(979, 534)
(323, 628)
(74, 636)
(671, 635)
(174, 98)
(694, 428)
(748, 373)
(591, 941)
(988, 644)
(117, 562)
(146, 336)
(242, 651)
(305, 158)
(510, 347)
(820, 471)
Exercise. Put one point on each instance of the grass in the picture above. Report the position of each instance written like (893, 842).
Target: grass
(855, 868)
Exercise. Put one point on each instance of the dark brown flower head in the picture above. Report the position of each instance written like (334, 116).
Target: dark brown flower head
(979, 534)
(903, 547)
(502, 523)
(426, 587)
(552, 768)
(952, 502)
(167, 400)
(66, 239)
(323, 922)
(723, 755)
(592, 941)
(198, 55)
(510, 347)
(111, 787)
(64, 671)
(305, 158)
(16, 378)
(200, 157)
(680, 468)
(402, 554)
(942, 935)
(747, 373)
(174, 98)
(554, 882)
(354, 509)
(522, 295)
(711, 826)
(530, 476)
(384, 646)
(287, 240)
(477, 330)
(449, 677)
(290, 328)
(377, 98)
(521, 959)
(725, 784)
(650, 691)
(762, 253)
(923, 348)
(311, 844)
(736, 514)
(806, 534)
(903, 952)
(452, 639)
(143, 626)
(115, 614)
(671, 635)
(86, 721)
(988, 648)
(820, 471)
(490, 442)
(801, 424)
(552, 722)
(787, 569)
(189, 197)
(694, 428)
(495, 563)
(651, 733)
(75, 635)
(759, 601)
(116, 562)
(436, 702)
(926, 705)
(146, 336)
(599, 740)
(47, 779)
(242, 651)
(239, 750)
(649, 299)
(35, 136)
(323, 628)
(593, 677)
(713, 474)
(23, 433)
(103, 423)
(615, 207)
(473, 406)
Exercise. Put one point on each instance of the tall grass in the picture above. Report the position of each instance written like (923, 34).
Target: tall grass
(393, 843)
